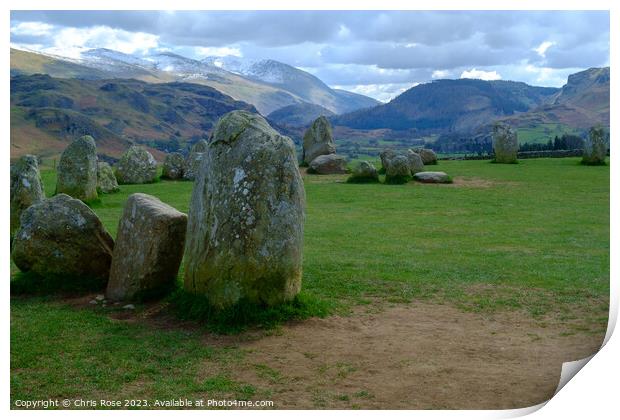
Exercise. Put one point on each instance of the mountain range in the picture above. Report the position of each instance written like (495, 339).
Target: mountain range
(267, 84)
(166, 101)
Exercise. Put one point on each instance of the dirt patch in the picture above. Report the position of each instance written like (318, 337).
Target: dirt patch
(416, 356)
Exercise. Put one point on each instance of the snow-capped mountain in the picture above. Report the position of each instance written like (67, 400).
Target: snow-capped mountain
(267, 84)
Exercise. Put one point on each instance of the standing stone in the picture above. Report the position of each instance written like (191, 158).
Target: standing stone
(173, 166)
(62, 236)
(77, 170)
(328, 164)
(106, 181)
(505, 143)
(428, 155)
(416, 163)
(26, 187)
(148, 250)
(595, 147)
(398, 170)
(246, 216)
(136, 166)
(318, 140)
(364, 172)
(194, 160)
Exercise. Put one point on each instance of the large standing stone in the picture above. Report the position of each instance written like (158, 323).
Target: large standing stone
(106, 181)
(433, 177)
(318, 140)
(26, 187)
(505, 143)
(77, 170)
(364, 172)
(328, 164)
(595, 147)
(61, 236)
(428, 155)
(148, 250)
(386, 155)
(174, 165)
(398, 170)
(246, 216)
(194, 160)
(136, 166)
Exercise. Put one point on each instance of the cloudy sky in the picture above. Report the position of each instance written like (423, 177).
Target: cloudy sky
(379, 54)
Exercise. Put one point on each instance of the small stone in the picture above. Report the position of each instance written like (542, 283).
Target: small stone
(433, 177)
(328, 165)
(129, 306)
(428, 155)
(174, 165)
(318, 140)
(106, 181)
(136, 166)
(100, 297)
(364, 172)
(398, 170)
(93, 302)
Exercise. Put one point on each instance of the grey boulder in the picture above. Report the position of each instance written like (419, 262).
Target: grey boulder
(173, 167)
(398, 170)
(194, 160)
(318, 140)
(595, 147)
(136, 166)
(433, 177)
(246, 216)
(505, 143)
(106, 181)
(364, 172)
(26, 187)
(428, 155)
(62, 236)
(77, 170)
(148, 250)
(328, 164)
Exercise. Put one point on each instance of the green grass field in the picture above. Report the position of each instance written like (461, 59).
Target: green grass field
(531, 238)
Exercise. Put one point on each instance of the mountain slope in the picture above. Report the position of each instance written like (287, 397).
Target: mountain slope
(47, 113)
(303, 84)
(448, 105)
(299, 114)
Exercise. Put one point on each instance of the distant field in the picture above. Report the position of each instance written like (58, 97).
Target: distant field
(528, 241)
(542, 133)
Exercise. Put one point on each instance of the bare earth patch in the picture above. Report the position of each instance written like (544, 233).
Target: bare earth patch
(417, 356)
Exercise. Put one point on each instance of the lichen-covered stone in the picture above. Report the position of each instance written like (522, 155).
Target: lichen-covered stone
(328, 164)
(416, 163)
(174, 166)
(385, 156)
(106, 181)
(364, 172)
(595, 147)
(136, 166)
(194, 160)
(398, 170)
(428, 155)
(318, 140)
(505, 143)
(26, 187)
(433, 177)
(148, 250)
(246, 217)
(61, 236)
(77, 170)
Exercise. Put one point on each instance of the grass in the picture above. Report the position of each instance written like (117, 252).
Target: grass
(531, 237)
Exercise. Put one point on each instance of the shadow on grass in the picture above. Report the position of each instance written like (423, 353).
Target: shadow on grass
(33, 284)
(244, 315)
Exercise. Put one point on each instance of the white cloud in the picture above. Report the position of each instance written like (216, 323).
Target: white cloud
(381, 92)
(541, 50)
(32, 29)
(71, 42)
(480, 74)
(217, 51)
(440, 74)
